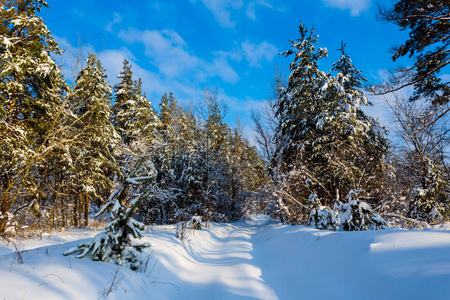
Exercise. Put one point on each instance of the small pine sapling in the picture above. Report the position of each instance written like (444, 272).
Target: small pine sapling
(115, 245)
(196, 223)
(321, 217)
(357, 215)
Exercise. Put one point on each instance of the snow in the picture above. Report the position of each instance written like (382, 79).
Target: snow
(253, 259)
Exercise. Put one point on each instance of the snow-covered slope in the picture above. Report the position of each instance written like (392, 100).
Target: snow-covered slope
(256, 259)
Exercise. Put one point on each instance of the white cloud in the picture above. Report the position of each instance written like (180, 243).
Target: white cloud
(72, 58)
(168, 52)
(221, 10)
(250, 11)
(117, 19)
(356, 7)
(112, 61)
(255, 54)
(224, 9)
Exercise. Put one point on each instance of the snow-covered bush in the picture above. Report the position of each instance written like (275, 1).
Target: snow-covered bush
(115, 245)
(430, 202)
(355, 215)
(10, 224)
(322, 217)
(196, 223)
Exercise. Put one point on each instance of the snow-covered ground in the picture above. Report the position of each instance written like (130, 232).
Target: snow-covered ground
(255, 259)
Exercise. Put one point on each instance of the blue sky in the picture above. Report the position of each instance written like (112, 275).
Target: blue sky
(184, 46)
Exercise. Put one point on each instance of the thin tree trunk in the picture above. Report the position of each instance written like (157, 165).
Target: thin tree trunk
(75, 212)
(86, 210)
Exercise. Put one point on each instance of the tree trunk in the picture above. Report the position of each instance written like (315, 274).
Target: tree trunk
(86, 210)
(75, 213)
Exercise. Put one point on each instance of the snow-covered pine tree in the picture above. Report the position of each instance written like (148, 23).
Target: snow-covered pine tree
(133, 114)
(168, 110)
(115, 244)
(296, 106)
(177, 196)
(430, 200)
(355, 215)
(324, 135)
(125, 103)
(367, 136)
(321, 217)
(145, 120)
(214, 152)
(93, 162)
(31, 107)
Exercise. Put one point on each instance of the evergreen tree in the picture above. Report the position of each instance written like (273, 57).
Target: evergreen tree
(125, 103)
(372, 145)
(179, 179)
(168, 110)
(325, 137)
(213, 150)
(115, 243)
(430, 202)
(429, 26)
(299, 94)
(133, 114)
(31, 104)
(204, 168)
(93, 160)
(145, 119)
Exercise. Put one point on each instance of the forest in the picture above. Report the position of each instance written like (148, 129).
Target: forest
(69, 148)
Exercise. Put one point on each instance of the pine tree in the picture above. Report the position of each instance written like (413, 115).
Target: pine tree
(93, 161)
(178, 178)
(428, 25)
(31, 106)
(323, 135)
(370, 146)
(115, 244)
(213, 151)
(168, 110)
(300, 93)
(125, 103)
(145, 119)
(430, 202)
(133, 114)
(355, 215)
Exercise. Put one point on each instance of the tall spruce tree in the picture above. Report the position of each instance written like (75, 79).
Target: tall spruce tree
(31, 107)
(145, 118)
(300, 93)
(372, 146)
(179, 179)
(125, 103)
(93, 161)
(133, 114)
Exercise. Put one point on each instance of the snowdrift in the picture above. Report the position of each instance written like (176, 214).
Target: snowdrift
(256, 259)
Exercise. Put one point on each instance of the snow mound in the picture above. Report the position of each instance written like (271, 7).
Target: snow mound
(255, 259)
(258, 220)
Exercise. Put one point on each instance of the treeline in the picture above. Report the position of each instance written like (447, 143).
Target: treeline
(64, 149)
